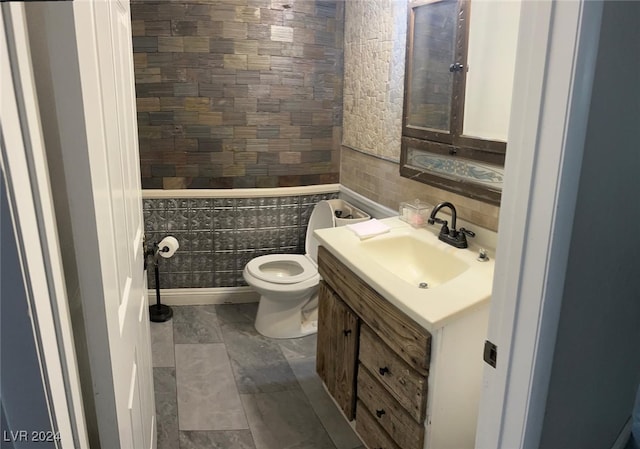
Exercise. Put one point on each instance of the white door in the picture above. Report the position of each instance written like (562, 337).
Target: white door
(89, 51)
(120, 229)
(555, 66)
(38, 291)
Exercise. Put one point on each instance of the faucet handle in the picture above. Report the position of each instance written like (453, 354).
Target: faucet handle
(467, 232)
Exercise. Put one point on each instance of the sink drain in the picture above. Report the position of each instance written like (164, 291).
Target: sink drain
(423, 285)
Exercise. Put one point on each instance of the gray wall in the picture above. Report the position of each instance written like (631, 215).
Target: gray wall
(4, 426)
(596, 365)
(24, 406)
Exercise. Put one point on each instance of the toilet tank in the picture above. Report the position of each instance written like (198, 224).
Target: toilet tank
(324, 216)
(346, 213)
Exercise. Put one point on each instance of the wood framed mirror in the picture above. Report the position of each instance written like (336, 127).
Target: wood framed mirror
(459, 76)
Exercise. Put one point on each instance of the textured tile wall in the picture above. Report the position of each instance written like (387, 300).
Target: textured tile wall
(380, 181)
(375, 39)
(238, 93)
(219, 236)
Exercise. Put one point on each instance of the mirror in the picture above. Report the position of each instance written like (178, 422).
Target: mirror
(430, 81)
(459, 77)
(491, 54)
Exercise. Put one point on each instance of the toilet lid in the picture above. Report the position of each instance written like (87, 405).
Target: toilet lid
(282, 268)
(322, 217)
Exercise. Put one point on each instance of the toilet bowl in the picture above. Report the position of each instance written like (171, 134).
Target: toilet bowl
(288, 284)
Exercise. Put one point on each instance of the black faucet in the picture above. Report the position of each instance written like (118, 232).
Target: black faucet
(454, 237)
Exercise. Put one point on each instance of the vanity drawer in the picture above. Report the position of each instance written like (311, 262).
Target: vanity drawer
(404, 336)
(388, 413)
(370, 431)
(405, 384)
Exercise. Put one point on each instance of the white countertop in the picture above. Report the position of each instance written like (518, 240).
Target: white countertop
(431, 308)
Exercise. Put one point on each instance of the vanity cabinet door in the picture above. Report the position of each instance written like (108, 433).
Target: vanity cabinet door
(337, 353)
(325, 356)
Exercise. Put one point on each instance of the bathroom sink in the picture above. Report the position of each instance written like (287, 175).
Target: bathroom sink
(398, 264)
(415, 261)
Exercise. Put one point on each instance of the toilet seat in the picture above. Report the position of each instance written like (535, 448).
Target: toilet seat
(294, 268)
(282, 268)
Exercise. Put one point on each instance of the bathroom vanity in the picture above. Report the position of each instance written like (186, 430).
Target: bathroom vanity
(411, 379)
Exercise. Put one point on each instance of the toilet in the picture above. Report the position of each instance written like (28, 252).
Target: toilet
(288, 284)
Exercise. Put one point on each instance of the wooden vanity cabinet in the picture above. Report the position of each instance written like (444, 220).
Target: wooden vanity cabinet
(373, 359)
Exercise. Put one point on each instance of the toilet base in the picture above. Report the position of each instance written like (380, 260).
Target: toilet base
(284, 319)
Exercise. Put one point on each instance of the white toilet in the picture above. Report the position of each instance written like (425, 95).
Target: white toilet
(288, 284)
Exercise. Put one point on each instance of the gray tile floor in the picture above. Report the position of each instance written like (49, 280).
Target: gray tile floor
(219, 384)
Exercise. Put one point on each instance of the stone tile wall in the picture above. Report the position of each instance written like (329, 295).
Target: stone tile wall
(218, 236)
(238, 93)
(375, 40)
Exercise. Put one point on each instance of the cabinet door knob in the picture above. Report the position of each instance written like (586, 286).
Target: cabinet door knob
(384, 370)
(347, 332)
(380, 412)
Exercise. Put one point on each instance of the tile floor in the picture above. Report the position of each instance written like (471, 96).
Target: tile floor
(219, 384)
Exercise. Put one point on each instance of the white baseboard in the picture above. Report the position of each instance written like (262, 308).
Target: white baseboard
(204, 296)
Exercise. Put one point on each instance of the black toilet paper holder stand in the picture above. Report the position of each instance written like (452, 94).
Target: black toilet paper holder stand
(158, 312)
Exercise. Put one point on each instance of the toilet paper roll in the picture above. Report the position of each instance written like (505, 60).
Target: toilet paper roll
(168, 246)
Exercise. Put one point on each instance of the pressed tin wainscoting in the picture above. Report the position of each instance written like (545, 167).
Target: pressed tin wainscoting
(218, 236)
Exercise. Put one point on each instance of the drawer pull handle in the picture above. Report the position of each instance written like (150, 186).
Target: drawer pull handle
(383, 371)
(347, 332)
(380, 412)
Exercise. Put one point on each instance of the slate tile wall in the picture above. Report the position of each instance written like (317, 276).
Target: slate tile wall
(238, 93)
(218, 236)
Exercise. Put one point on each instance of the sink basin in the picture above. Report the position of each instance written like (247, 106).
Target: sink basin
(414, 260)
(396, 263)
